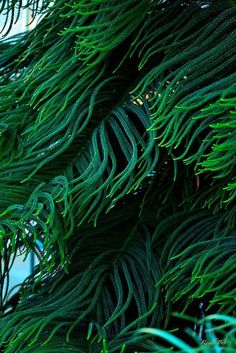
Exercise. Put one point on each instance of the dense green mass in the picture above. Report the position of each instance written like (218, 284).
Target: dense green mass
(117, 153)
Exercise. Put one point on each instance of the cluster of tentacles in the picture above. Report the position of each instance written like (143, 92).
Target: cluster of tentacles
(118, 156)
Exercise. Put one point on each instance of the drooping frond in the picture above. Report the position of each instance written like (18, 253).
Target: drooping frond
(199, 262)
(117, 156)
(12, 10)
(105, 294)
(192, 90)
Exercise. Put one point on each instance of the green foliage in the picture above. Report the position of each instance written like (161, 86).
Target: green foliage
(117, 153)
(12, 10)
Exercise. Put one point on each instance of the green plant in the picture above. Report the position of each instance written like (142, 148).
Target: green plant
(117, 153)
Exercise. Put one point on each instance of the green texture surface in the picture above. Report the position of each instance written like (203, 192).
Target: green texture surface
(117, 154)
